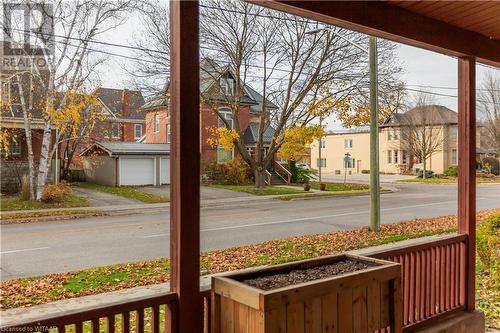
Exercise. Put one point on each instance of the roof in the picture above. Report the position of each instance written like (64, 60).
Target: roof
(210, 73)
(357, 130)
(113, 100)
(155, 102)
(128, 148)
(252, 132)
(430, 114)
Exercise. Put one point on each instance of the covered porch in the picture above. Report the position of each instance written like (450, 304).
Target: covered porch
(438, 273)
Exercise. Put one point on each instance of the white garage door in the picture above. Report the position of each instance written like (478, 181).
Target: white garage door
(137, 171)
(165, 171)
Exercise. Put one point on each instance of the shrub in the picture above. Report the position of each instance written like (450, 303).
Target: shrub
(233, 172)
(365, 171)
(292, 167)
(24, 193)
(303, 176)
(452, 171)
(488, 241)
(492, 164)
(428, 173)
(56, 193)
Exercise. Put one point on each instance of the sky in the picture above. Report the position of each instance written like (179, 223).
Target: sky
(423, 70)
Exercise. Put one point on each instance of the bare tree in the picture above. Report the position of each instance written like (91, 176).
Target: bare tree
(294, 62)
(68, 68)
(152, 43)
(291, 62)
(489, 110)
(421, 133)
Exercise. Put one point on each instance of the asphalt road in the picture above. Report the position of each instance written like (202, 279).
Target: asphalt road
(60, 246)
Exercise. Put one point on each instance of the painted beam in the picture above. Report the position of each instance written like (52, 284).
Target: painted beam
(185, 167)
(467, 171)
(381, 19)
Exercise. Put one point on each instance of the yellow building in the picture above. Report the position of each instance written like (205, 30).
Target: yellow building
(395, 148)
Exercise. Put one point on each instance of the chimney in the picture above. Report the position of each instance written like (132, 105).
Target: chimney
(125, 103)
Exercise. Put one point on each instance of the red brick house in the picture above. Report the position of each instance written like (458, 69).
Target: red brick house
(126, 121)
(213, 78)
(123, 121)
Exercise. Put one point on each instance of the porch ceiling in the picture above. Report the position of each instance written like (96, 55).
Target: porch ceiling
(462, 28)
(482, 17)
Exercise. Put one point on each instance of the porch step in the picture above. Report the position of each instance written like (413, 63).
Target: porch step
(276, 179)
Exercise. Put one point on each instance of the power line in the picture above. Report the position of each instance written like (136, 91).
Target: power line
(219, 60)
(446, 88)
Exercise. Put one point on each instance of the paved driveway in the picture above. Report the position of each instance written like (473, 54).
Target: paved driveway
(99, 199)
(207, 193)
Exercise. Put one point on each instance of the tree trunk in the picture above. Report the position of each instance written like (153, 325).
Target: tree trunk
(424, 167)
(260, 177)
(29, 141)
(44, 165)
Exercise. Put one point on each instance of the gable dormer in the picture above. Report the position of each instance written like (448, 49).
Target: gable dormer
(227, 85)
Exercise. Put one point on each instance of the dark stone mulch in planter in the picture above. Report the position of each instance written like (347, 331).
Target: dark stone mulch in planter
(279, 280)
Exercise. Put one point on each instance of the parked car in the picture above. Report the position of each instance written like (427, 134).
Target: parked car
(303, 166)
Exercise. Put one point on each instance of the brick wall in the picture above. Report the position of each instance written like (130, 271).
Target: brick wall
(14, 167)
(161, 135)
(209, 118)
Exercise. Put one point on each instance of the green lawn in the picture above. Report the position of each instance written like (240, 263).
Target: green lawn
(13, 202)
(127, 192)
(57, 213)
(341, 186)
(43, 289)
(268, 190)
(429, 180)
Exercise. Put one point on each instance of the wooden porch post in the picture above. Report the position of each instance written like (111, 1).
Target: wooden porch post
(467, 171)
(185, 166)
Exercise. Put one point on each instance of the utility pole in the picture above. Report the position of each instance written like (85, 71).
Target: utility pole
(319, 150)
(374, 136)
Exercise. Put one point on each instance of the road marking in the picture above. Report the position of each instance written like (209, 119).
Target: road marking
(153, 236)
(24, 250)
(306, 218)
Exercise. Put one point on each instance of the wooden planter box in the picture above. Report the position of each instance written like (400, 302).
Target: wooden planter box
(362, 301)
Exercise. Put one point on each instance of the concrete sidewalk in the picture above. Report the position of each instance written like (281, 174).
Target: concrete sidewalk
(361, 178)
(147, 206)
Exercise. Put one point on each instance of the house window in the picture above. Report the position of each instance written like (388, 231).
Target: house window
(453, 134)
(15, 148)
(138, 131)
(348, 143)
(323, 144)
(395, 135)
(396, 157)
(224, 155)
(349, 163)
(389, 135)
(227, 115)
(115, 130)
(168, 133)
(403, 156)
(389, 157)
(454, 156)
(321, 163)
(157, 123)
(227, 85)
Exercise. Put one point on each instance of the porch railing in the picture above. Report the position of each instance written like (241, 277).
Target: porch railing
(432, 277)
(280, 168)
(433, 285)
(268, 178)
